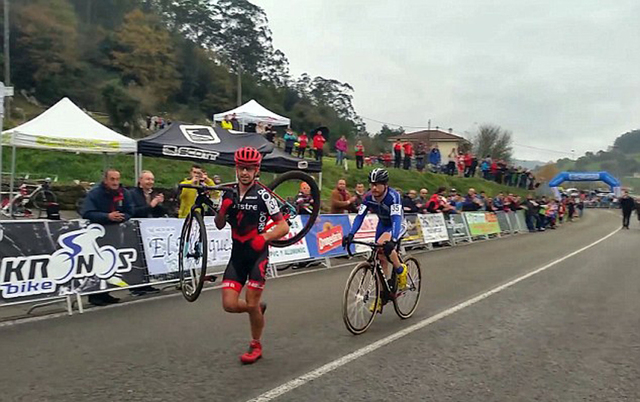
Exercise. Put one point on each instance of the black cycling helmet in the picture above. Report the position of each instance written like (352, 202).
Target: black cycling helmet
(379, 175)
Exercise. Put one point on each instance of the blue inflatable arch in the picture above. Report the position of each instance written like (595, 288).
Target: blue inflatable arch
(585, 176)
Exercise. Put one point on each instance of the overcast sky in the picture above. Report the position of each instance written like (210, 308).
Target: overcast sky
(561, 75)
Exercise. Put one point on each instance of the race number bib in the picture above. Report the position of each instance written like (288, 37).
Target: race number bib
(396, 209)
(362, 209)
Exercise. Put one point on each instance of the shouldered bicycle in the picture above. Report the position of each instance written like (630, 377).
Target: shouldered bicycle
(193, 249)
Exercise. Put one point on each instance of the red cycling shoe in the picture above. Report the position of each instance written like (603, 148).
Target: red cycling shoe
(254, 353)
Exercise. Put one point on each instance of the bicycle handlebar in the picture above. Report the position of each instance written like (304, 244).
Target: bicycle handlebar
(206, 188)
(363, 243)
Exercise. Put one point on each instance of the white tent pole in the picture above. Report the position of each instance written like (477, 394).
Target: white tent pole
(140, 162)
(320, 183)
(135, 168)
(11, 183)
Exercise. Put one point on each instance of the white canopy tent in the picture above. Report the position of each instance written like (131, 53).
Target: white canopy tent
(65, 127)
(253, 112)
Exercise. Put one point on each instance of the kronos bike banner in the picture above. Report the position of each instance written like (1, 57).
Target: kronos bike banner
(54, 258)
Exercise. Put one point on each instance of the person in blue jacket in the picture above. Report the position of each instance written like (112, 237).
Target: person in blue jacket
(108, 202)
(434, 156)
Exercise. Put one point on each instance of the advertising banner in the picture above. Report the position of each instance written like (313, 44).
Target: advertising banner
(482, 223)
(161, 239)
(457, 228)
(433, 227)
(413, 233)
(503, 222)
(54, 258)
(367, 231)
(325, 237)
(295, 252)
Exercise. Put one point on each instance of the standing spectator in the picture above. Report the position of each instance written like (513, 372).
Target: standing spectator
(397, 154)
(359, 155)
(341, 149)
(474, 166)
(438, 202)
(289, 141)
(148, 120)
(435, 157)
(424, 197)
(628, 205)
(270, 133)
(304, 200)
(532, 213)
(235, 124)
(451, 162)
(341, 200)
(409, 202)
(421, 152)
(188, 195)
(485, 167)
(318, 144)
(302, 144)
(471, 201)
(460, 163)
(144, 202)
(360, 192)
(260, 128)
(107, 203)
(408, 153)
(468, 159)
(493, 169)
(226, 123)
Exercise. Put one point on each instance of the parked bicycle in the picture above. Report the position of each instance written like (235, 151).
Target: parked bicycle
(194, 246)
(367, 288)
(30, 203)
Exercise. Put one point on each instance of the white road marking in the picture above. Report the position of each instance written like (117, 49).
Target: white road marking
(312, 375)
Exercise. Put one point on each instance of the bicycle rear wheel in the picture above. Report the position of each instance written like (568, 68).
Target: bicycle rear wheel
(285, 189)
(361, 297)
(406, 301)
(192, 257)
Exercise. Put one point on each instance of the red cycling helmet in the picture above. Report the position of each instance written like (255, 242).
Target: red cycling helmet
(248, 156)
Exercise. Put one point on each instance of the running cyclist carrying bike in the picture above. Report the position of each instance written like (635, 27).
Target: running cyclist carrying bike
(387, 204)
(247, 211)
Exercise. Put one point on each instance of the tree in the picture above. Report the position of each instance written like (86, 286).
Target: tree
(494, 141)
(628, 143)
(547, 172)
(123, 109)
(45, 56)
(145, 55)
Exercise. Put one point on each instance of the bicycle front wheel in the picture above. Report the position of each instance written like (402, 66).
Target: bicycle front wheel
(406, 301)
(42, 198)
(285, 189)
(192, 257)
(361, 298)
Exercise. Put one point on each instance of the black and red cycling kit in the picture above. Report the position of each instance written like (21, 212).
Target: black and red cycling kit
(248, 218)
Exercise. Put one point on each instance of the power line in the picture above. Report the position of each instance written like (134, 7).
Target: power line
(518, 145)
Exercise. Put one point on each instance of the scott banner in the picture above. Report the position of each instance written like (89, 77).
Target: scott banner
(54, 258)
(433, 227)
(482, 223)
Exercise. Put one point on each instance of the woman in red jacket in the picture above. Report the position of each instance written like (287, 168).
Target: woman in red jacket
(318, 144)
(359, 155)
(302, 144)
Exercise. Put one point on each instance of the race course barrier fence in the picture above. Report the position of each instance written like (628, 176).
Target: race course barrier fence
(45, 260)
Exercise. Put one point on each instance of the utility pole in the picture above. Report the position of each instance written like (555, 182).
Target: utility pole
(7, 57)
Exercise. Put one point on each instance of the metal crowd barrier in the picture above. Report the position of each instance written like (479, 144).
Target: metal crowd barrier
(45, 262)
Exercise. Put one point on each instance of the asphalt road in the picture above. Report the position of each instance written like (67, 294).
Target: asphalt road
(568, 333)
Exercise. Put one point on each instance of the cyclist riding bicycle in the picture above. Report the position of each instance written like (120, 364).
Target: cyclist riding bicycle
(247, 211)
(387, 204)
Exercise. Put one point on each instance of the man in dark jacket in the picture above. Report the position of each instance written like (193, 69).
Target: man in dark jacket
(409, 202)
(628, 205)
(471, 201)
(145, 204)
(105, 204)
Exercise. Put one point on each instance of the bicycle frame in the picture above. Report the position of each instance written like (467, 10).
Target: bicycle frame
(388, 293)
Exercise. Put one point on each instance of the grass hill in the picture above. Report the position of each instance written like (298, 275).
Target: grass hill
(69, 167)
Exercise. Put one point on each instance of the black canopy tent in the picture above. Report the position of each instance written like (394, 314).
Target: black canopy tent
(207, 144)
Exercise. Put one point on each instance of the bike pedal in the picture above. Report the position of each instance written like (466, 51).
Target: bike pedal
(210, 278)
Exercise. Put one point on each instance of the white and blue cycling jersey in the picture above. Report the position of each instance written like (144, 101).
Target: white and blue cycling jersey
(389, 211)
